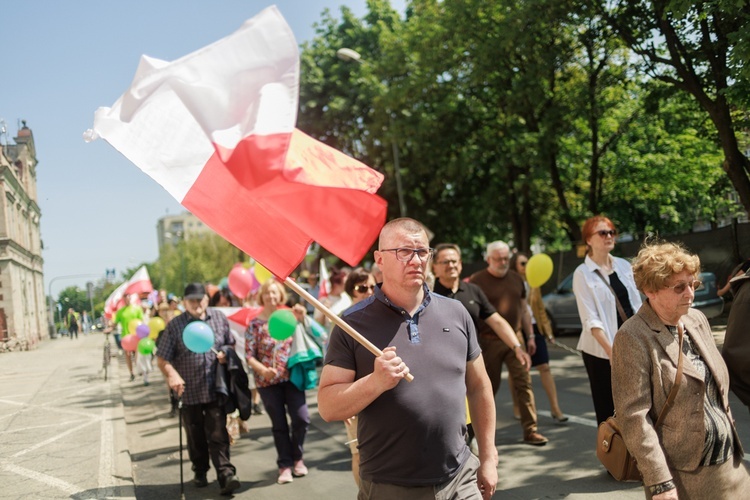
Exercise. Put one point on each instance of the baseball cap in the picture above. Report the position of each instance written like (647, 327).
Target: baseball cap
(195, 291)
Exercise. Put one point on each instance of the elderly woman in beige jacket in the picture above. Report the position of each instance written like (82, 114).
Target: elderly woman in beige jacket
(696, 452)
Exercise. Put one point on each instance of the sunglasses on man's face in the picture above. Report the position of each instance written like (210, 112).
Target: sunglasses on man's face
(364, 288)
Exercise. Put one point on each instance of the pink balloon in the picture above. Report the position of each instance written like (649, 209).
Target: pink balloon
(130, 342)
(240, 281)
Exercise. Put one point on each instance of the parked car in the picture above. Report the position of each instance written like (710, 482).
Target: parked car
(563, 312)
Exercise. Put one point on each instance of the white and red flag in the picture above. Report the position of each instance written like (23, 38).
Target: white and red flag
(139, 283)
(324, 280)
(216, 128)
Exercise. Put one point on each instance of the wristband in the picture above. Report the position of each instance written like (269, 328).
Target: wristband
(662, 487)
(516, 347)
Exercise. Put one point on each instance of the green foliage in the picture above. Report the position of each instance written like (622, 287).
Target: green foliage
(204, 258)
(515, 119)
(74, 297)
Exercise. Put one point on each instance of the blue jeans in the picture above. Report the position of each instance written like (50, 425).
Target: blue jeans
(279, 399)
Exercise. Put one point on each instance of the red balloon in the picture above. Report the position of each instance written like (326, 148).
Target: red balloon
(240, 281)
(130, 342)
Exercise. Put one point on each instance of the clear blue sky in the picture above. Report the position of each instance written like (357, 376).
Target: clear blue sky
(60, 62)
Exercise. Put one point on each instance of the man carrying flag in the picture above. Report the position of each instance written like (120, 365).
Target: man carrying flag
(411, 434)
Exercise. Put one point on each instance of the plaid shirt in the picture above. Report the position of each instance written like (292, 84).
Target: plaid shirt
(197, 370)
(261, 346)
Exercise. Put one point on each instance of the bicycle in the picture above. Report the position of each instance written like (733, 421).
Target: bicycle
(107, 354)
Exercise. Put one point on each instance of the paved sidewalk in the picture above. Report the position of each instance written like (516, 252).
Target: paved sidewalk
(565, 468)
(66, 433)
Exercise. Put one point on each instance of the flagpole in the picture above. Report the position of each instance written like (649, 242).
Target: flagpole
(336, 319)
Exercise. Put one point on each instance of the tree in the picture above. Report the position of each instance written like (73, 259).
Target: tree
(201, 258)
(697, 48)
(74, 297)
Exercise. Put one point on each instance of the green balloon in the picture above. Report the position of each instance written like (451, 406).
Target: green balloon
(146, 346)
(281, 324)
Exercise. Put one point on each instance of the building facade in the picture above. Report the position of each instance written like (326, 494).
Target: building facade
(171, 229)
(23, 308)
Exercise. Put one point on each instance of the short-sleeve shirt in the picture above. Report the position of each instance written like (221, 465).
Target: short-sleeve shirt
(261, 346)
(413, 434)
(472, 297)
(197, 370)
(506, 294)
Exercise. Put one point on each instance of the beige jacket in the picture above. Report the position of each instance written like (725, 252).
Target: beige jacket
(644, 367)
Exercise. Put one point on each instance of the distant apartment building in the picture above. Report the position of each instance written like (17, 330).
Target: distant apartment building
(171, 229)
(23, 308)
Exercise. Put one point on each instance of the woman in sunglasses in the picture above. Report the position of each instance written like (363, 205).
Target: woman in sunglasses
(359, 285)
(695, 452)
(606, 296)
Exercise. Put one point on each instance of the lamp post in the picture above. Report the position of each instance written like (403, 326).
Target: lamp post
(351, 55)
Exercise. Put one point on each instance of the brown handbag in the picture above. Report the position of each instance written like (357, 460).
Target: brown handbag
(610, 446)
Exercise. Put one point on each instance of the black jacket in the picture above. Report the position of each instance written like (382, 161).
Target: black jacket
(232, 388)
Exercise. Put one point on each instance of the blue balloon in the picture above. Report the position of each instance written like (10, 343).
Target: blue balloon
(198, 337)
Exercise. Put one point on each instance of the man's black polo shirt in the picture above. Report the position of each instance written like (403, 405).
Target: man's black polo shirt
(471, 296)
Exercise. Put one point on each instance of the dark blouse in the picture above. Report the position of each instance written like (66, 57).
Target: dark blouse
(718, 442)
(622, 295)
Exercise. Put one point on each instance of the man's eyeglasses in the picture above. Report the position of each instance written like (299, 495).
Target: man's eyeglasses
(447, 262)
(607, 232)
(680, 287)
(364, 288)
(406, 254)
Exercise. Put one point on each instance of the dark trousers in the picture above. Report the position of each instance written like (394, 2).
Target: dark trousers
(207, 437)
(600, 380)
(495, 353)
(278, 400)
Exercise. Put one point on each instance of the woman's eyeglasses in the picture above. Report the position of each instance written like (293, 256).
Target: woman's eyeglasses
(364, 288)
(680, 287)
(607, 232)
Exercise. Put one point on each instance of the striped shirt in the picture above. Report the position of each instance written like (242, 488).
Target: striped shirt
(718, 443)
(197, 370)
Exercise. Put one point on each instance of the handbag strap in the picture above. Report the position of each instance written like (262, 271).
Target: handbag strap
(620, 310)
(677, 380)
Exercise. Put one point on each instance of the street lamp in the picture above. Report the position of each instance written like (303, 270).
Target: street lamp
(351, 55)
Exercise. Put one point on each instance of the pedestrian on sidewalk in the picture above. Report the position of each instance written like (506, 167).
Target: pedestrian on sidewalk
(447, 267)
(268, 358)
(192, 376)
(606, 296)
(505, 290)
(72, 321)
(411, 433)
(692, 450)
(542, 327)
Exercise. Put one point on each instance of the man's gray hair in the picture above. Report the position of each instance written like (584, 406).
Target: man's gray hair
(497, 245)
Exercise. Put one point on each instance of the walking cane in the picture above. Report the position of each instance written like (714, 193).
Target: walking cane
(182, 481)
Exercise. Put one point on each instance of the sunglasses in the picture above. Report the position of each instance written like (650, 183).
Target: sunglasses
(607, 232)
(680, 287)
(523, 263)
(364, 288)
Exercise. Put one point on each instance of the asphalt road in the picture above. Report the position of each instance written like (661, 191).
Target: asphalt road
(66, 433)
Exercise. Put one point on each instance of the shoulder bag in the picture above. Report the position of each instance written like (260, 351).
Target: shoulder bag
(610, 446)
